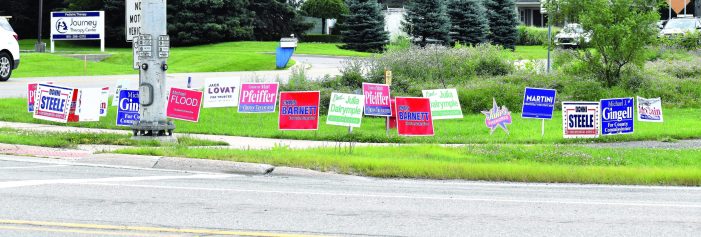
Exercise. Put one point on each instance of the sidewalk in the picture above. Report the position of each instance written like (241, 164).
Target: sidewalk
(234, 142)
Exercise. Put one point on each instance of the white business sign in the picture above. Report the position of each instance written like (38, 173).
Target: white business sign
(221, 92)
(87, 25)
(133, 19)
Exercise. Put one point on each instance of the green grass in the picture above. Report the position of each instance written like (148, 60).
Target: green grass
(71, 140)
(223, 57)
(518, 163)
(679, 124)
(530, 52)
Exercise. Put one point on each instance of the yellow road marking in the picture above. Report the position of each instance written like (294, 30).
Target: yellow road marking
(148, 229)
(89, 232)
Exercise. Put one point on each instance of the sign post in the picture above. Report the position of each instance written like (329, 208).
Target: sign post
(153, 52)
(539, 104)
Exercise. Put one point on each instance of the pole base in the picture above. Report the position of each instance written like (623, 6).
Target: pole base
(40, 47)
(153, 129)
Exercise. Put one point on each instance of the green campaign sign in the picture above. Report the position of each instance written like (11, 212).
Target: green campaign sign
(346, 110)
(444, 103)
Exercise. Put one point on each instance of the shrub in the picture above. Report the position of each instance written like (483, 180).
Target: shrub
(528, 35)
(322, 38)
(689, 41)
(435, 65)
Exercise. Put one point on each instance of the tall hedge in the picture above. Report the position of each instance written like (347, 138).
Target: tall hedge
(275, 19)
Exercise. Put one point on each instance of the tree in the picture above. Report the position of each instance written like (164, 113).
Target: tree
(621, 29)
(209, 21)
(469, 21)
(275, 19)
(364, 27)
(503, 21)
(427, 19)
(324, 9)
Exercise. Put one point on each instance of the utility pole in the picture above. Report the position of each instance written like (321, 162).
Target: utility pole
(40, 47)
(153, 50)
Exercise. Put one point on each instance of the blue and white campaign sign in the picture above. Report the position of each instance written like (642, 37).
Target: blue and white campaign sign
(538, 103)
(53, 103)
(78, 25)
(128, 111)
(617, 116)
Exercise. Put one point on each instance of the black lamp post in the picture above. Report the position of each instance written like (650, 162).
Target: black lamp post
(40, 46)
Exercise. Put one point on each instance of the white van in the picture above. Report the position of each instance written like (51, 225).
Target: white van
(9, 50)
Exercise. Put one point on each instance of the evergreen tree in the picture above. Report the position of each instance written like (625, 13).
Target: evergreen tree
(503, 21)
(275, 19)
(209, 21)
(469, 21)
(364, 26)
(427, 19)
(324, 9)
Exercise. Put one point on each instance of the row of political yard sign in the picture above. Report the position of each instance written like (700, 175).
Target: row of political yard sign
(299, 110)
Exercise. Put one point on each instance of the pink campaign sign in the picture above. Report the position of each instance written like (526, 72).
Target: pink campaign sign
(184, 104)
(258, 97)
(377, 100)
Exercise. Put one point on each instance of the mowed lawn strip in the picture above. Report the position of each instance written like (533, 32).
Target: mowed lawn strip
(517, 163)
(223, 57)
(71, 140)
(679, 124)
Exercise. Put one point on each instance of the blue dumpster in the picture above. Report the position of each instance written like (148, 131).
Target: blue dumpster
(285, 51)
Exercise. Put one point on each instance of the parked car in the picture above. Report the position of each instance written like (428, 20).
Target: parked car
(680, 26)
(9, 50)
(572, 35)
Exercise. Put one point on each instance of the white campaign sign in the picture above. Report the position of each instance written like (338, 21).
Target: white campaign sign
(445, 103)
(346, 110)
(650, 110)
(222, 92)
(123, 85)
(133, 19)
(104, 100)
(88, 108)
(581, 119)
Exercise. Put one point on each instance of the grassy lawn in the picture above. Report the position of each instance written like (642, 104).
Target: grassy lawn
(233, 56)
(679, 124)
(71, 140)
(518, 163)
(530, 52)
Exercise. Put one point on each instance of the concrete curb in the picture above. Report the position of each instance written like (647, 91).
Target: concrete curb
(174, 163)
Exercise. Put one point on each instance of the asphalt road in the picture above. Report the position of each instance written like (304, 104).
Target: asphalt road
(316, 67)
(43, 197)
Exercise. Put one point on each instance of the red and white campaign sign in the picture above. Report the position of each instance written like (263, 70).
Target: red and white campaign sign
(53, 103)
(299, 110)
(184, 104)
(32, 94)
(414, 117)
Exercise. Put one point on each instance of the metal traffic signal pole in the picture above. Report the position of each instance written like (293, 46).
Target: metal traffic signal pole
(153, 49)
